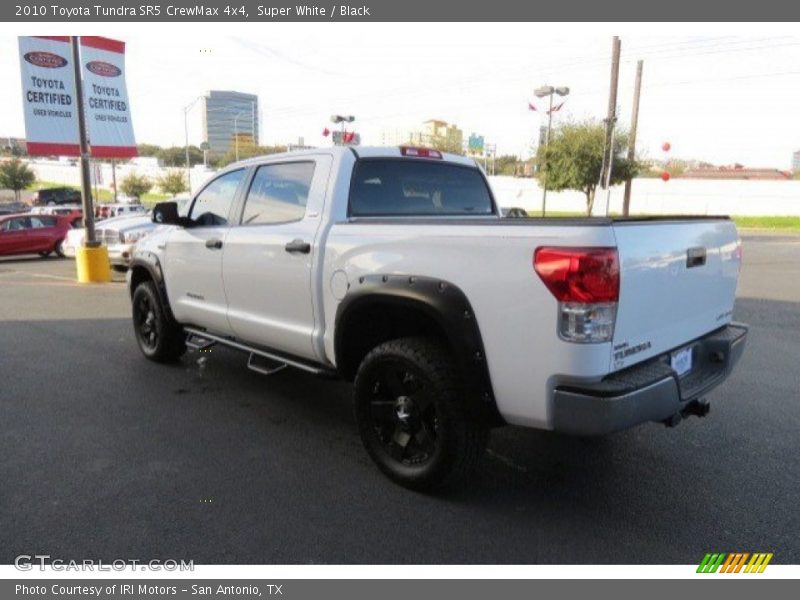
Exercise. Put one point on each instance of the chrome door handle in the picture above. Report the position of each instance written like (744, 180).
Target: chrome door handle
(214, 244)
(299, 246)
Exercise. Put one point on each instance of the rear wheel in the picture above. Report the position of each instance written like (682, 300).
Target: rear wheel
(44, 254)
(412, 416)
(159, 337)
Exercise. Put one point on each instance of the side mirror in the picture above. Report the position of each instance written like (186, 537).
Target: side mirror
(166, 213)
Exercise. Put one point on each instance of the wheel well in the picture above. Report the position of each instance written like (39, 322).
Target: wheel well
(366, 326)
(139, 274)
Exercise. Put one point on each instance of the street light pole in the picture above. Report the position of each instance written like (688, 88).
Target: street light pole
(186, 110)
(546, 149)
(236, 134)
(342, 119)
(548, 90)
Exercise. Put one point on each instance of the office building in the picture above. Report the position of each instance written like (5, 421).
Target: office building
(229, 117)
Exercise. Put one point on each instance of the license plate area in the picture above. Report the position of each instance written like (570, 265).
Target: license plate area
(681, 361)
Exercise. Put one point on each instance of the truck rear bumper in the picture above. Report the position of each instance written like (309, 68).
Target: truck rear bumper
(650, 391)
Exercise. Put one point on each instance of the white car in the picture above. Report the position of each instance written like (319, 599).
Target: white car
(61, 209)
(393, 268)
(118, 234)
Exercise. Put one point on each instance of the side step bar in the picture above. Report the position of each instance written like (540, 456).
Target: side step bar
(275, 361)
(199, 342)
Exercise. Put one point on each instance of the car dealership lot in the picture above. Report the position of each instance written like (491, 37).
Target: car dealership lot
(106, 455)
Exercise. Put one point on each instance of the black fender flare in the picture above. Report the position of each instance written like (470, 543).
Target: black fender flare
(150, 263)
(449, 307)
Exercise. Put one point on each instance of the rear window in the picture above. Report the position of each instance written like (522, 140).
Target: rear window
(410, 187)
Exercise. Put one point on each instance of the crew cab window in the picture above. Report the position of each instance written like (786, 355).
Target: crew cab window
(278, 194)
(410, 187)
(213, 204)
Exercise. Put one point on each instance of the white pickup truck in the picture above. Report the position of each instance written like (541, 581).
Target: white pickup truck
(394, 268)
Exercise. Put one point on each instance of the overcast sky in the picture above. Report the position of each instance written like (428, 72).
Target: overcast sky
(723, 99)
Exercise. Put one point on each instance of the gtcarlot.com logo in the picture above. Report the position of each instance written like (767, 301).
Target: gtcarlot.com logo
(734, 562)
(42, 562)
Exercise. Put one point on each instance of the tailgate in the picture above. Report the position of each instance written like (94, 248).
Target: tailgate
(678, 282)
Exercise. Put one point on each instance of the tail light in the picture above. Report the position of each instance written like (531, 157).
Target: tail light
(585, 281)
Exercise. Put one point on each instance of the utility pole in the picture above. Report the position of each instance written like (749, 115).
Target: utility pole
(608, 148)
(637, 88)
(90, 240)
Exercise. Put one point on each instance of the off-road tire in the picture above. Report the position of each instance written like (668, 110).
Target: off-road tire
(159, 337)
(430, 382)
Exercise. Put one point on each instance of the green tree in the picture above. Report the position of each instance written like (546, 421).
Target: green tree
(16, 175)
(135, 185)
(505, 164)
(149, 149)
(575, 157)
(173, 182)
(175, 156)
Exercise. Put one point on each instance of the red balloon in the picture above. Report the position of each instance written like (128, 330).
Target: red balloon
(665, 176)
(666, 146)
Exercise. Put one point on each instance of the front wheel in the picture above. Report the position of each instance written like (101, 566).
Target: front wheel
(412, 416)
(160, 338)
(59, 249)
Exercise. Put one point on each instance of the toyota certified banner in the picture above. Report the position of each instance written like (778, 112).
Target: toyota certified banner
(48, 95)
(108, 114)
(48, 88)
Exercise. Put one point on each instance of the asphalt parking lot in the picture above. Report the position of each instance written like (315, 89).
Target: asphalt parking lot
(107, 456)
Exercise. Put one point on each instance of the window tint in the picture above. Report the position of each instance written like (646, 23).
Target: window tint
(279, 193)
(41, 222)
(416, 187)
(17, 224)
(212, 205)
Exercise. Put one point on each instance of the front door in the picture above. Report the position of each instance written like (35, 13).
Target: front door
(269, 256)
(193, 256)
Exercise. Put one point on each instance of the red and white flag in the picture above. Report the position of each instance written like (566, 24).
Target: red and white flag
(531, 106)
(326, 132)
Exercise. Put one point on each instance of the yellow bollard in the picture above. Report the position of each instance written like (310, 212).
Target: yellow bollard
(93, 265)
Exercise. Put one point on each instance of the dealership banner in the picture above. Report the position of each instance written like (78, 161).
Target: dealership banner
(48, 95)
(107, 108)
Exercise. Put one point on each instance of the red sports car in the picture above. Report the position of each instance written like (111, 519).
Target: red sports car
(32, 234)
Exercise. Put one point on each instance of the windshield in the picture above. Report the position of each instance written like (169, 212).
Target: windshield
(411, 187)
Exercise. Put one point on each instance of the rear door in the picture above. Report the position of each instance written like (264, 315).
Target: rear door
(193, 256)
(269, 257)
(14, 236)
(678, 282)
